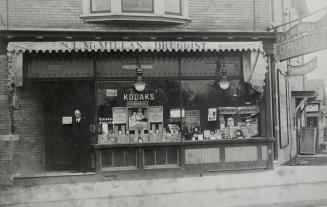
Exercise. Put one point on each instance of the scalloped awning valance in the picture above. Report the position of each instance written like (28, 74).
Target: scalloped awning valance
(254, 61)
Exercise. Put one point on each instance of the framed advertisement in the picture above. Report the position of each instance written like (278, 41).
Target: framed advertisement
(155, 114)
(119, 115)
(283, 108)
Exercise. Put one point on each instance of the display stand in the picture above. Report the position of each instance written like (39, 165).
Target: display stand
(132, 125)
(155, 123)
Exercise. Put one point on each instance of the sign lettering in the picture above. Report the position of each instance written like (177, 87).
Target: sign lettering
(138, 97)
(302, 69)
(134, 67)
(308, 43)
(301, 39)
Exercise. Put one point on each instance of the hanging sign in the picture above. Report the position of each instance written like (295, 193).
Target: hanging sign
(312, 108)
(302, 69)
(299, 29)
(301, 40)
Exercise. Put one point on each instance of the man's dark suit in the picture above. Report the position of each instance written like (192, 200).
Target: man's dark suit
(81, 143)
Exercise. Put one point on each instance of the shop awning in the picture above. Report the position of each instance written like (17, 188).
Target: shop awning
(132, 46)
(306, 96)
(255, 63)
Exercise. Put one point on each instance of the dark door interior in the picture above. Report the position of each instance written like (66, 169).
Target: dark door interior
(60, 99)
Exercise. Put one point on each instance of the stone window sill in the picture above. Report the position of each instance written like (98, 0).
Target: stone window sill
(134, 17)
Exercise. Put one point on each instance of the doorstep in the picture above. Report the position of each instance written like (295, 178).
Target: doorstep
(54, 174)
(315, 155)
(53, 177)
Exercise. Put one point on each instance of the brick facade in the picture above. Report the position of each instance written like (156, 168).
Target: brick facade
(245, 15)
(27, 154)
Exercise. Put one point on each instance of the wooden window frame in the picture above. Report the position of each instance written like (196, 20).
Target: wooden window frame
(174, 13)
(137, 11)
(102, 11)
(166, 165)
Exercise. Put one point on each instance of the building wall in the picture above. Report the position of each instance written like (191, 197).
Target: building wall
(221, 15)
(27, 154)
(245, 15)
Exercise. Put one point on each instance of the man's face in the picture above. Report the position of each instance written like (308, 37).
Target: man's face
(77, 114)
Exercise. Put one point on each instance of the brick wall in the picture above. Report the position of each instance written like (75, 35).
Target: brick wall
(245, 15)
(4, 113)
(26, 155)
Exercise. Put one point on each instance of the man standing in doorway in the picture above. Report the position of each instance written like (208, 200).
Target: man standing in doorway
(80, 135)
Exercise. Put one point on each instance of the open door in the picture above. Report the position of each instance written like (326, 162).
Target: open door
(61, 98)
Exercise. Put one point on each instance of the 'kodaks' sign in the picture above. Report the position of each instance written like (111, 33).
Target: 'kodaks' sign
(138, 97)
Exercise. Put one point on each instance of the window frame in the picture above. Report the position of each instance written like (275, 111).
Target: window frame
(99, 12)
(174, 13)
(137, 11)
(118, 13)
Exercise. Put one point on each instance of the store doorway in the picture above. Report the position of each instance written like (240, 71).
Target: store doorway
(60, 99)
(313, 123)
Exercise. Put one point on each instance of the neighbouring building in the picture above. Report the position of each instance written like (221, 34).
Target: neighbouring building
(174, 86)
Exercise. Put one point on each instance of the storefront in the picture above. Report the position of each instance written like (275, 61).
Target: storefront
(152, 105)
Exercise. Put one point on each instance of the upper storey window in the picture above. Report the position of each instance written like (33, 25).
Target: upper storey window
(164, 11)
(145, 6)
(173, 7)
(99, 6)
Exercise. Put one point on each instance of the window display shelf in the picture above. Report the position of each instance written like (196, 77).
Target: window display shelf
(189, 142)
(227, 154)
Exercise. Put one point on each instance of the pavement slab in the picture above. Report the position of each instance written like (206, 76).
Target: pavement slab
(284, 185)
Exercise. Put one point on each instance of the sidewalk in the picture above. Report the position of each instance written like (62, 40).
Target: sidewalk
(285, 184)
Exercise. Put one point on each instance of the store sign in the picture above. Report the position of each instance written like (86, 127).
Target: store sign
(137, 104)
(308, 43)
(135, 67)
(133, 46)
(67, 120)
(299, 29)
(293, 43)
(138, 97)
(312, 108)
(111, 92)
(303, 69)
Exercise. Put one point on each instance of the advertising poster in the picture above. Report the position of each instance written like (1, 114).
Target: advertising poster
(155, 114)
(119, 115)
(192, 118)
(137, 119)
(212, 114)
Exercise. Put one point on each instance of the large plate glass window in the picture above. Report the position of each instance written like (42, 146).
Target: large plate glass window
(145, 6)
(173, 7)
(99, 6)
(128, 116)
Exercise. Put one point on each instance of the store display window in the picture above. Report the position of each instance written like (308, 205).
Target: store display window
(128, 116)
(192, 105)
